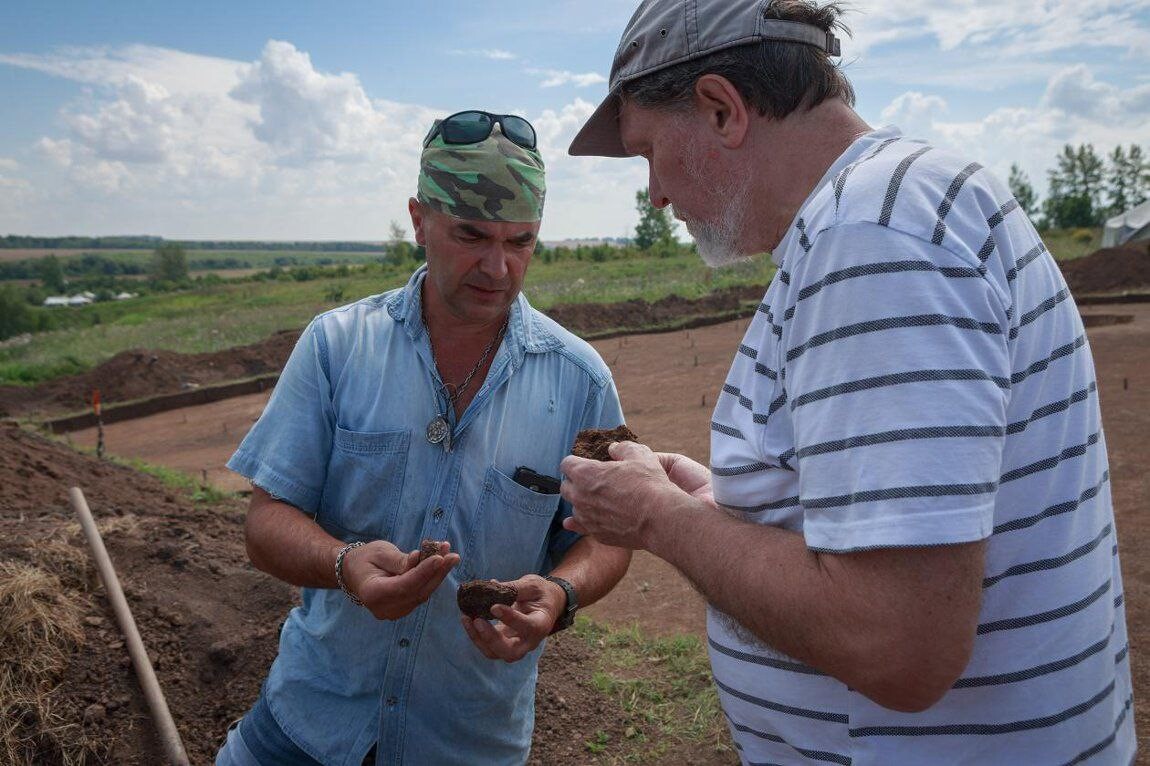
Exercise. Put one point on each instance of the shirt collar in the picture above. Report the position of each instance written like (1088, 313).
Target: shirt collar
(852, 153)
(525, 331)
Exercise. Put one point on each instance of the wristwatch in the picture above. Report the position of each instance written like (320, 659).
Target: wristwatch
(567, 618)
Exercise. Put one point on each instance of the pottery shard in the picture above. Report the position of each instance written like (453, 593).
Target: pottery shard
(476, 597)
(429, 548)
(592, 443)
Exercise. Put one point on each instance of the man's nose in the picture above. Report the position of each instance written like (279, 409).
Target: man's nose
(494, 261)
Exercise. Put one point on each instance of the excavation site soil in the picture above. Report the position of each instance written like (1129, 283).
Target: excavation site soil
(210, 621)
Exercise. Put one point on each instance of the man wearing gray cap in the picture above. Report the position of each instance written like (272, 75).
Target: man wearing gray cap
(905, 536)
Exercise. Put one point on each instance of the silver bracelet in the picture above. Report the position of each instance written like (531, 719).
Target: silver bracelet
(339, 571)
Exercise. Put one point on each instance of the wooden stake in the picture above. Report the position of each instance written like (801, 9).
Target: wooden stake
(169, 735)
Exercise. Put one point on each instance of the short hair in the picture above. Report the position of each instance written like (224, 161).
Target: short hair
(775, 78)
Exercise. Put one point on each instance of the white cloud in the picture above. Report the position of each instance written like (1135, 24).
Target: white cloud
(914, 112)
(494, 54)
(555, 77)
(1017, 29)
(1076, 108)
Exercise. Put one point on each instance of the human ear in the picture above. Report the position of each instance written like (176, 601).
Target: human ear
(723, 107)
(415, 210)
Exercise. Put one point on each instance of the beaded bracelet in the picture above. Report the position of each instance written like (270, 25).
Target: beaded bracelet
(339, 571)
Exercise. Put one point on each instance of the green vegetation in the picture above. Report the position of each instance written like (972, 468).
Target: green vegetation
(222, 314)
(663, 687)
(655, 228)
(177, 480)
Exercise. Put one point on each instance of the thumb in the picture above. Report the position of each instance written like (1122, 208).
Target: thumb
(628, 451)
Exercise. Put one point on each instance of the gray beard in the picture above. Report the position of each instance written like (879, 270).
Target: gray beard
(718, 241)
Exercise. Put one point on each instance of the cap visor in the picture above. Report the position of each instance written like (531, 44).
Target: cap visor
(599, 137)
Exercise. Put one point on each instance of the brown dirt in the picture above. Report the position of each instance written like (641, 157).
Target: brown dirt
(140, 373)
(595, 443)
(1113, 269)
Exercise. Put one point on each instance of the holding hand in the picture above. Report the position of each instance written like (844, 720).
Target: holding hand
(522, 626)
(391, 583)
(617, 502)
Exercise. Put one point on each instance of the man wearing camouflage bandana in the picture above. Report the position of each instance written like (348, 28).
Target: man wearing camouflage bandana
(404, 417)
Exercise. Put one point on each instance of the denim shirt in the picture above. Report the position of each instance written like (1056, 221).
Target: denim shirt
(343, 438)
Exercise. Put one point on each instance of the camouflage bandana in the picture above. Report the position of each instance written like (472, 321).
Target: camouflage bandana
(493, 180)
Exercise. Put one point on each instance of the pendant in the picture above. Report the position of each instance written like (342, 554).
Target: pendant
(438, 431)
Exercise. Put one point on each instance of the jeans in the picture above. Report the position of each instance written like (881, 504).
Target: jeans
(257, 740)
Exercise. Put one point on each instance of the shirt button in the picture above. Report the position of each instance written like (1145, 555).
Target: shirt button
(437, 513)
(403, 642)
(392, 700)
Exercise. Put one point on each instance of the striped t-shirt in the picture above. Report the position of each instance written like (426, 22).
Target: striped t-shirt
(918, 374)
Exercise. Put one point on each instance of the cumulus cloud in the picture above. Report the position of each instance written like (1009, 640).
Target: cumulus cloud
(1076, 108)
(553, 78)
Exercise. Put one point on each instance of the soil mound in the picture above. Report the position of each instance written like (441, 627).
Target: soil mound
(140, 373)
(208, 619)
(1109, 270)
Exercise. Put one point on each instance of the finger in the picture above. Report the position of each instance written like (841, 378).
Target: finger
(446, 564)
(628, 451)
(571, 524)
(518, 623)
(473, 633)
(501, 642)
(574, 463)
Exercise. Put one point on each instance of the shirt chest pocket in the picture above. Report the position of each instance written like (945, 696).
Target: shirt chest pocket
(509, 533)
(364, 483)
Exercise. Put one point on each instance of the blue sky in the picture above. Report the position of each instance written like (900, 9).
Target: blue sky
(291, 120)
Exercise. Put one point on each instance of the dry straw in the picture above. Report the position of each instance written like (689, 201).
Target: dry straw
(39, 629)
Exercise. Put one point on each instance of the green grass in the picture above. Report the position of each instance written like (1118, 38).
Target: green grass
(663, 687)
(1068, 244)
(236, 313)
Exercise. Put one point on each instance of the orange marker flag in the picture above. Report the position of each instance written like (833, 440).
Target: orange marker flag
(96, 401)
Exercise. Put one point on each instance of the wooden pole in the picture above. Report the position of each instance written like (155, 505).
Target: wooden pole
(157, 706)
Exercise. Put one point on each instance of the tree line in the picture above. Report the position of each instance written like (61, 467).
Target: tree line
(15, 241)
(1085, 187)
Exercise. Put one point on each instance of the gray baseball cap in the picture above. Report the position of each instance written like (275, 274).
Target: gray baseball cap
(663, 33)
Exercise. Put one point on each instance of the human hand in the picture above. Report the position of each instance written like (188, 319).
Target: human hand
(391, 583)
(616, 502)
(523, 625)
(692, 477)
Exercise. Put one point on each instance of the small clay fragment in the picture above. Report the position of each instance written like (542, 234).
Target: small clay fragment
(428, 548)
(476, 597)
(592, 443)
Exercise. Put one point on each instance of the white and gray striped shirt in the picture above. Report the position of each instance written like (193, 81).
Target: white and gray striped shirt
(918, 374)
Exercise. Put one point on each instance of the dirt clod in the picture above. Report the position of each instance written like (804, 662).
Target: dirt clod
(593, 443)
(476, 597)
(429, 548)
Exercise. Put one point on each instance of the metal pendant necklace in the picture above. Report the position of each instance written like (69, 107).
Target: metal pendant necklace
(438, 430)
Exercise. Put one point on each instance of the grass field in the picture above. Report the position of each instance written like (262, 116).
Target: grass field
(238, 313)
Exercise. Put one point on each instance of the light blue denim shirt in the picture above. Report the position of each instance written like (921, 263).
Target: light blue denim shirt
(343, 438)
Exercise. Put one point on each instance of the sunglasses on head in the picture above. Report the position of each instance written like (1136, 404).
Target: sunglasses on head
(473, 126)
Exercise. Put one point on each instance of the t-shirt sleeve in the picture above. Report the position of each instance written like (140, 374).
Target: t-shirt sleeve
(897, 373)
(603, 411)
(287, 450)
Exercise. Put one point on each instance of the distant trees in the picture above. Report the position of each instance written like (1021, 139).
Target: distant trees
(169, 263)
(655, 228)
(1020, 187)
(15, 315)
(51, 274)
(1085, 189)
(1128, 178)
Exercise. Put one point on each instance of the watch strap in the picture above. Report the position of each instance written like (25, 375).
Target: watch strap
(567, 618)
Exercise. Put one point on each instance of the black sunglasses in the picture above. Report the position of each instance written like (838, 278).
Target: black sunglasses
(473, 126)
